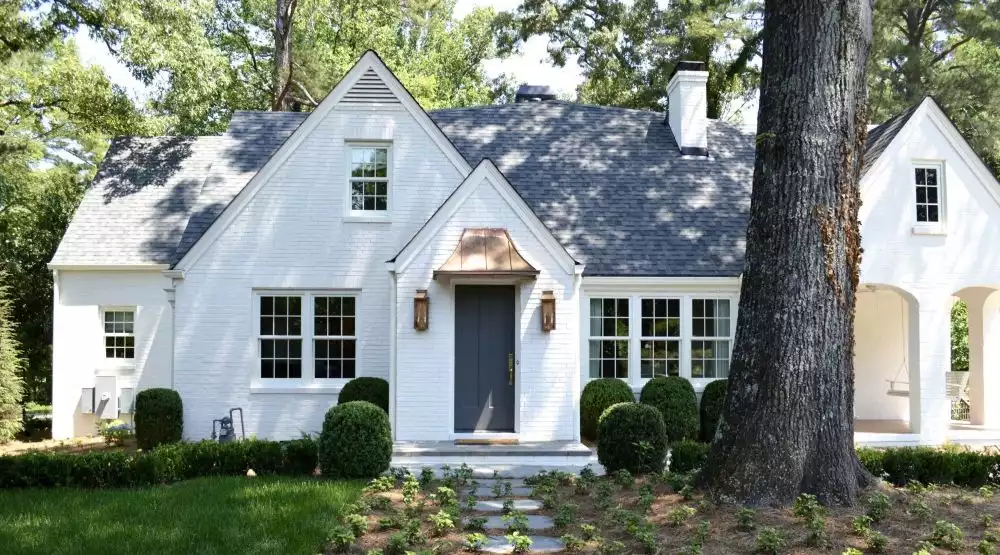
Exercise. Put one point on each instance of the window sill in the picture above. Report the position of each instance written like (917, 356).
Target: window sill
(362, 219)
(263, 386)
(929, 229)
(115, 366)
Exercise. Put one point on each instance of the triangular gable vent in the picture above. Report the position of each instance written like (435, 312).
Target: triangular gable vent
(370, 88)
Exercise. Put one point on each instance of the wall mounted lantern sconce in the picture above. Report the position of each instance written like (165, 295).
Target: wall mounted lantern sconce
(548, 311)
(421, 310)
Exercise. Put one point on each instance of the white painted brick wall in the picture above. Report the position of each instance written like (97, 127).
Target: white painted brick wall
(548, 366)
(293, 235)
(78, 340)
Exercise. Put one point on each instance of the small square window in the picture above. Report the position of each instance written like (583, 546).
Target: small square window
(369, 180)
(119, 334)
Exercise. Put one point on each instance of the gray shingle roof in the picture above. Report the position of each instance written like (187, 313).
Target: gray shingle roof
(609, 183)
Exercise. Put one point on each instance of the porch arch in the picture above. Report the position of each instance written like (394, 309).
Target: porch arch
(984, 354)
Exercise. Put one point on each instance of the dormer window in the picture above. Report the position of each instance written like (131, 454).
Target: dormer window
(927, 181)
(369, 179)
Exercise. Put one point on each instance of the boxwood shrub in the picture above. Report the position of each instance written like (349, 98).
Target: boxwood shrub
(597, 396)
(631, 436)
(159, 417)
(674, 397)
(162, 465)
(713, 399)
(373, 390)
(356, 441)
(688, 455)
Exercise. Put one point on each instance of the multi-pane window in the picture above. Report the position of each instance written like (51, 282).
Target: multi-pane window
(280, 336)
(660, 338)
(369, 178)
(334, 340)
(119, 334)
(927, 181)
(609, 338)
(710, 338)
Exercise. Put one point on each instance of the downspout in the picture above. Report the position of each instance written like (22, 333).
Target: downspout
(392, 349)
(577, 285)
(171, 296)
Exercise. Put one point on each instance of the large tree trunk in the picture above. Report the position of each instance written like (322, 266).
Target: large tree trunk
(282, 98)
(788, 424)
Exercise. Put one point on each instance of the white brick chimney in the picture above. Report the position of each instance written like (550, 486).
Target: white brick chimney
(688, 107)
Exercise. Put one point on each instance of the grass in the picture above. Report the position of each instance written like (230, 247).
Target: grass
(206, 516)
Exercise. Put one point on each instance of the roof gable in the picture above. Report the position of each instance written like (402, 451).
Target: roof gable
(369, 78)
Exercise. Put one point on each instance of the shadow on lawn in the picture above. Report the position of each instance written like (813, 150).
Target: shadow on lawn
(207, 515)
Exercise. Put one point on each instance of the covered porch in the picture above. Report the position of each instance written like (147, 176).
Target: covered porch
(907, 391)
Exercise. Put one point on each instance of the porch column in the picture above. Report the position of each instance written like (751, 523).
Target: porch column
(930, 411)
(984, 356)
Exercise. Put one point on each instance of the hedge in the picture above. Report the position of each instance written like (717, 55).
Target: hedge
(688, 455)
(597, 396)
(356, 441)
(631, 436)
(713, 399)
(165, 464)
(159, 417)
(674, 397)
(373, 390)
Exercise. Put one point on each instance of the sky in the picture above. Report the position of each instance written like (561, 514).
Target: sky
(531, 66)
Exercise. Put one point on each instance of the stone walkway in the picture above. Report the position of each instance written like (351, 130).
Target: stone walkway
(538, 524)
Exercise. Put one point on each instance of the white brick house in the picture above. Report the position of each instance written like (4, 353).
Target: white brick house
(265, 267)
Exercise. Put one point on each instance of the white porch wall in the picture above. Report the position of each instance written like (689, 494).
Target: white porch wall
(293, 235)
(880, 349)
(78, 340)
(545, 390)
(932, 268)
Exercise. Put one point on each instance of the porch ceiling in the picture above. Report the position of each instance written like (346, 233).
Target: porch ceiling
(486, 252)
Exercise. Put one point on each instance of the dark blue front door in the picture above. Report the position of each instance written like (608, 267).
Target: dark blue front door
(484, 355)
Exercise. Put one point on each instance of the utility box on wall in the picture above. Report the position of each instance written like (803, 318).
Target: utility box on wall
(87, 401)
(126, 398)
(106, 397)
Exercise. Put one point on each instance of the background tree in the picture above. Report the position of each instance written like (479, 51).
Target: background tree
(788, 422)
(10, 366)
(627, 50)
(946, 48)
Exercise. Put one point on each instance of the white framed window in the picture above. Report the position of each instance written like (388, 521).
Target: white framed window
(119, 333)
(369, 178)
(334, 339)
(927, 181)
(711, 333)
(685, 333)
(609, 338)
(660, 337)
(306, 337)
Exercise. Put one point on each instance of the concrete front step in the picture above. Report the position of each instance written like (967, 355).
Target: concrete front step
(539, 544)
(484, 492)
(496, 505)
(528, 449)
(535, 522)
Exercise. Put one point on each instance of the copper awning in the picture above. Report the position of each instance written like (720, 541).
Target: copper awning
(486, 252)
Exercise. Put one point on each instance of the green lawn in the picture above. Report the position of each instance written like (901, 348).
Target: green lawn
(204, 516)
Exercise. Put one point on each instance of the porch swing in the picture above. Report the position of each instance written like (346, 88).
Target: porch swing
(955, 382)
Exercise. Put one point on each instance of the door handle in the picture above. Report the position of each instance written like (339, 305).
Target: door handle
(510, 368)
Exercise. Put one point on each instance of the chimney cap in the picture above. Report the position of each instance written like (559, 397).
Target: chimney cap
(534, 93)
(688, 65)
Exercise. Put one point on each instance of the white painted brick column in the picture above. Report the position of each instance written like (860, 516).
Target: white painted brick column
(984, 356)
(930, 411)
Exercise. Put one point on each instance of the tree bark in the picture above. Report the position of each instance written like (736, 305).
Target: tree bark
(282, 96)
(788, 424)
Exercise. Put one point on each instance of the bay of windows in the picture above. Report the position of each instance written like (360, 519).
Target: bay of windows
(307, 336)
(637, 338)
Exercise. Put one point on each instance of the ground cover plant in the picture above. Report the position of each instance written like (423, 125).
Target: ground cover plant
(662, 512)
(219, 515)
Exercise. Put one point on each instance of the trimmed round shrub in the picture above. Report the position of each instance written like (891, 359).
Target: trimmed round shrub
(631, 436)
(159, 417)
(373, 390)
(674, 397)
(597, 396)
(712, 401)
(356, 441)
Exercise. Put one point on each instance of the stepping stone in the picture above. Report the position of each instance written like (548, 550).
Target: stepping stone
(539, 544)
(488, 482)
(486, 492)
(535, 522)
(496, 505)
